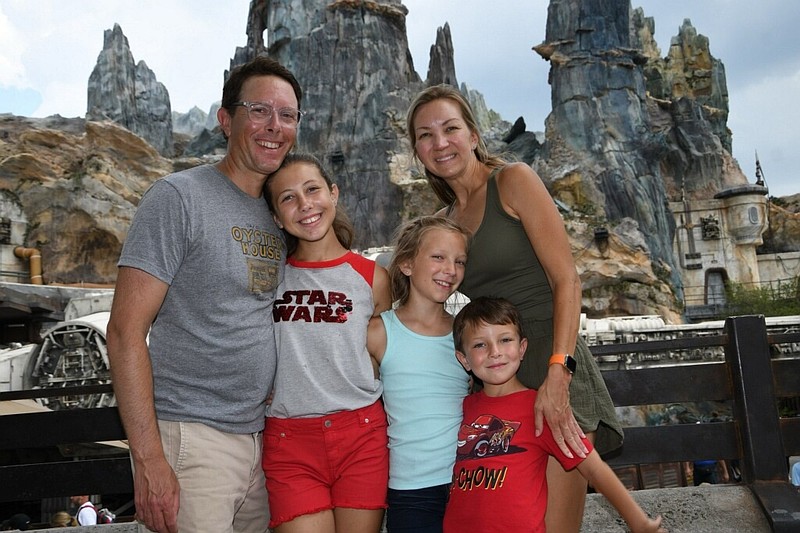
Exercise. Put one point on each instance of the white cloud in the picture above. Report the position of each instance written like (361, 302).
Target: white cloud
(187, 44)
(12, 46)
(63, 98)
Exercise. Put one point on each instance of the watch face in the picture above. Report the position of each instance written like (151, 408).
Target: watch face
(565, 359)
(570, 363)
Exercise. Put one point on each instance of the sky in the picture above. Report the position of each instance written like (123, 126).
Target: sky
(48, 49)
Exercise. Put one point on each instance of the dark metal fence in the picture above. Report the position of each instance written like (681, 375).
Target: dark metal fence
(757, 436)
(54, 453)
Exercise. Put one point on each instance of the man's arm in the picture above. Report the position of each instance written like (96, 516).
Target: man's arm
(137, 298)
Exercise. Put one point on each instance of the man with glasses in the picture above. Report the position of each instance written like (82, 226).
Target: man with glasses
(198, 273)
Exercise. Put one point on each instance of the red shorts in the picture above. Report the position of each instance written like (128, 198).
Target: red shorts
(316, 464)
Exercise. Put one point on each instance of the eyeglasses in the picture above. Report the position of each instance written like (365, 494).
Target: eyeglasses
(260, 113)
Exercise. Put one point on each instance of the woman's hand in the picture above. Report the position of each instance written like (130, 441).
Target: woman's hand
(552, 404)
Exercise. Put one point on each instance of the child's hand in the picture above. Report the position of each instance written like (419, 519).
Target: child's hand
(651, 525)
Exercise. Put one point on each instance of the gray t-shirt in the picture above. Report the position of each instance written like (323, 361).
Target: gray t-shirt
(321, 318)
(212, 344)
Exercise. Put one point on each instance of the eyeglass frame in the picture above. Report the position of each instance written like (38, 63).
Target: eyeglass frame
(249, 105)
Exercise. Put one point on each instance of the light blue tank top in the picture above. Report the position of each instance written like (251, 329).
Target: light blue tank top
(423, 389)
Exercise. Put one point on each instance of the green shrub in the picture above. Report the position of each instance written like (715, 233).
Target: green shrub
(776, 299)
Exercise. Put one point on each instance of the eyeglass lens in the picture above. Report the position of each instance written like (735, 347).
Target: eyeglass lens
(262, 113)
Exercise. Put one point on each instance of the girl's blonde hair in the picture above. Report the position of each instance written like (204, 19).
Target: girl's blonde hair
(62, 519)
(407, 242)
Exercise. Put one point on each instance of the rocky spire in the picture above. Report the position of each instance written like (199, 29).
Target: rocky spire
(129, 94)
(441, 66)
(689, 107)
(599, 133)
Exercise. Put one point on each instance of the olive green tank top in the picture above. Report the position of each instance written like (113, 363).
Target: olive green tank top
(502, 263)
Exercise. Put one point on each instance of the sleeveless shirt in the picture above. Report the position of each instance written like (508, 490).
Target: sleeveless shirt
(423, 389)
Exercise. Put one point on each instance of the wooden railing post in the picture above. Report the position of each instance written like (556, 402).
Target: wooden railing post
(764, 466)
(755, 407)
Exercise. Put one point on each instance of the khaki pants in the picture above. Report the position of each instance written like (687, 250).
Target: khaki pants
(222, 482)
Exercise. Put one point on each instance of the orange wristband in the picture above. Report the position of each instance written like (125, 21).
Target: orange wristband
(565, 360)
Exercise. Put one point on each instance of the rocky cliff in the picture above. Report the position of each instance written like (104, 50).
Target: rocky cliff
(783, 231)
(688, 104)
(601, 153)
(75, 184)
(190, 123)
(441, 67)
(128, 93)
(630, 131)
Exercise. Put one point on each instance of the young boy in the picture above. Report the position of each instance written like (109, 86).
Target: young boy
(499, 476)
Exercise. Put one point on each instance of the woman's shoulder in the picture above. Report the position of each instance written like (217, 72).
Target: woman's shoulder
(518, 185)
(513, 172)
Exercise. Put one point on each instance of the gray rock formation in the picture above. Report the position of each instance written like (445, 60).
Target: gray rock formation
(211, 120)
(612, 155)
(207, 142)
(688, 105)
(688, 71)
(489, 121)
(442, 67)
(783, 232)
(190, 123)
(75, 185)
(358, 77)
(631, 131)
(129, 94)
(599, 133)
(352, 60)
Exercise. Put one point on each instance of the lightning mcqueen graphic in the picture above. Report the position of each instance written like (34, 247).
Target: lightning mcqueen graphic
(486, 435)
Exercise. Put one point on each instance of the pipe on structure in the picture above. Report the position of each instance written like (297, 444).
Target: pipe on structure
(34, 258)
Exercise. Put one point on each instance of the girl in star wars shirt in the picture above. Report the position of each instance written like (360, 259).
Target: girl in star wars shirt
(325, 444)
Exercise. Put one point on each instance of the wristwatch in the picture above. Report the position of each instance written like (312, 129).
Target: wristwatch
(565, 359)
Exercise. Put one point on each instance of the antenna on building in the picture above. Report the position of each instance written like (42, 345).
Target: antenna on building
(759, 173)
(767, 244)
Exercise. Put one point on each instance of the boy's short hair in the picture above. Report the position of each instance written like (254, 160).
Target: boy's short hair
(485, 310)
